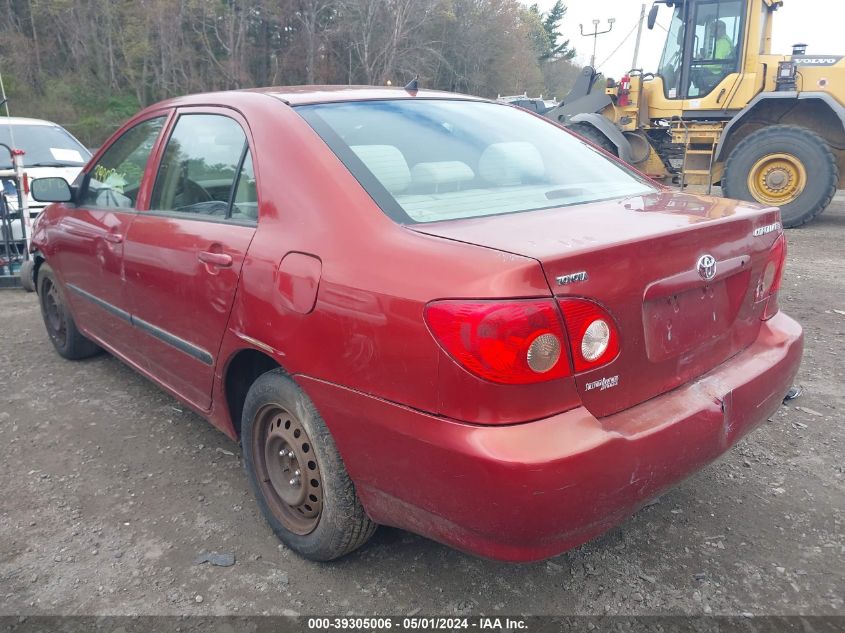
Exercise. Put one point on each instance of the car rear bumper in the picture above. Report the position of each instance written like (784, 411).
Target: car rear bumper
(534, 490)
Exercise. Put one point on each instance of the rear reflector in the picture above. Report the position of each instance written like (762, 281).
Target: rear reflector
(595, 341)
(510, 342)
(592, 332)
(769, 284)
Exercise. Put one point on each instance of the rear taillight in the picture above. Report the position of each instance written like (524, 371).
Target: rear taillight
(592, 332)
(510, 342)
(769, 282)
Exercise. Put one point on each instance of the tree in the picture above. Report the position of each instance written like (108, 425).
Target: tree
(313, 15)
(90, 64)
(554, 47)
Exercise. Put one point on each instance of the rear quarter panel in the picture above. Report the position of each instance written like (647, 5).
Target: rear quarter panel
(367, 330)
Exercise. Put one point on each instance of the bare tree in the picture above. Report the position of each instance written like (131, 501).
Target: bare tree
(313, 15)
(90, 63)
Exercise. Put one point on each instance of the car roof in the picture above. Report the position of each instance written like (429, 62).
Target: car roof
(302, 95)
(18, 120)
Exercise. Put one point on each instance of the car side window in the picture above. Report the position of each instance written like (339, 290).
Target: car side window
(245, 203)
(206, 170)
(115, 179)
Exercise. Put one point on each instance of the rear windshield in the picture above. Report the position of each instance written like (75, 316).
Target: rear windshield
(435, 160)
(44, 146)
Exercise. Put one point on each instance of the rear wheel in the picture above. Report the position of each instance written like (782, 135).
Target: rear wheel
(786, 166)
(594, 136)
(296, 473)
(69, 342)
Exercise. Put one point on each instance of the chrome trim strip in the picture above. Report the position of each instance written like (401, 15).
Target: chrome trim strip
(163, 335)
(108, 307)
(174, 341)
(196, 217)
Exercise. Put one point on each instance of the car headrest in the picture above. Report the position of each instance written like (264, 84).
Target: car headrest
(447, 172)
(387, 164)
(511, 163)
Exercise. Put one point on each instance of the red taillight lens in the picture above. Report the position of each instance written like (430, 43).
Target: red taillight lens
(510, 342)
(769, 283)
(592, 332)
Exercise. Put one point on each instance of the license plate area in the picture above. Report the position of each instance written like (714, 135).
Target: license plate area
(680, 322)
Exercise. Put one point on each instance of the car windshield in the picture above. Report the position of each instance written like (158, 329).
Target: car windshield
(44, 146)
(431, 160)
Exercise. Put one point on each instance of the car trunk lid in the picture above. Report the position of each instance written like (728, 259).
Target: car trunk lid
(639, 258)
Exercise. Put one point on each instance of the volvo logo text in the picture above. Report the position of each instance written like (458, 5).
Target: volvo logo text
(707, 267)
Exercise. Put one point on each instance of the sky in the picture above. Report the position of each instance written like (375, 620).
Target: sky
(796, 21)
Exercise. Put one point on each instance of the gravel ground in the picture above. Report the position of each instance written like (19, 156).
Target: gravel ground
(110, 490)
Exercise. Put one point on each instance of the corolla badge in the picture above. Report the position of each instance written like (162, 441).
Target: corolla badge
(706, 267)
(571, 278)
(765, 230)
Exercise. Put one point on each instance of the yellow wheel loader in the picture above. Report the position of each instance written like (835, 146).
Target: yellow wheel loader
(721, 109)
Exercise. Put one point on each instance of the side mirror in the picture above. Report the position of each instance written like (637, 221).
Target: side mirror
(652, 16)
(51, 190)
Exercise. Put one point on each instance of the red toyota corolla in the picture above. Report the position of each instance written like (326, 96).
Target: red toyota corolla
(422, 310)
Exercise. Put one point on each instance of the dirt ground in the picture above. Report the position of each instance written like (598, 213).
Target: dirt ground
(110, 490)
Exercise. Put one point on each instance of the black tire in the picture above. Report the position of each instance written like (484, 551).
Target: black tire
(27, 275)
(275, 403)
(594, 136)
(69, 342)
(813, 152)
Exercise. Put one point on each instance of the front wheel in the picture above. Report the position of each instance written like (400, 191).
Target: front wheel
(296, 473)
(69, 342)
(786, 166)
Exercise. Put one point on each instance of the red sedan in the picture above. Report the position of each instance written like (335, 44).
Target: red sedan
(420, 309)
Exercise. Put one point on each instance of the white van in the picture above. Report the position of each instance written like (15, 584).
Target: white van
(50, 150)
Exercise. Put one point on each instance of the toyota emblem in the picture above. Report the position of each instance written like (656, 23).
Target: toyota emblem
(707, 267)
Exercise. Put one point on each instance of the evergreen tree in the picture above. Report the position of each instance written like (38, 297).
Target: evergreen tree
(551, 24)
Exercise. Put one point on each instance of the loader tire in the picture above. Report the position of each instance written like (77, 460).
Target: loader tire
(594, 136)
(786, 166)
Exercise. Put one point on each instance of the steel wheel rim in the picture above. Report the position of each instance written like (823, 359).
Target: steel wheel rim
(777, 179)
(54, 313)
(287, 469)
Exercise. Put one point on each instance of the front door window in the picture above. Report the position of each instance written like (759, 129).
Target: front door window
(115, 180)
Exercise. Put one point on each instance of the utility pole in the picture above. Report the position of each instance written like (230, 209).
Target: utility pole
(595, 35)
(639, 38)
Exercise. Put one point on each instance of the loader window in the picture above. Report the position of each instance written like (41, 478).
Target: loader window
(670, 63)
(717, 39)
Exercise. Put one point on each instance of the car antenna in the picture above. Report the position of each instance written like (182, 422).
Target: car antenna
(414, 85)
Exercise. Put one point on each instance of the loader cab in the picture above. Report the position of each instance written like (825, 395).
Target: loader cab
(703, 46)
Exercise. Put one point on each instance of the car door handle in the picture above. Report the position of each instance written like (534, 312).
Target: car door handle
(114, 238)
(215, 259)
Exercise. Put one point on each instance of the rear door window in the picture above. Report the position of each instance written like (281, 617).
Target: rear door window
(206, 170)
